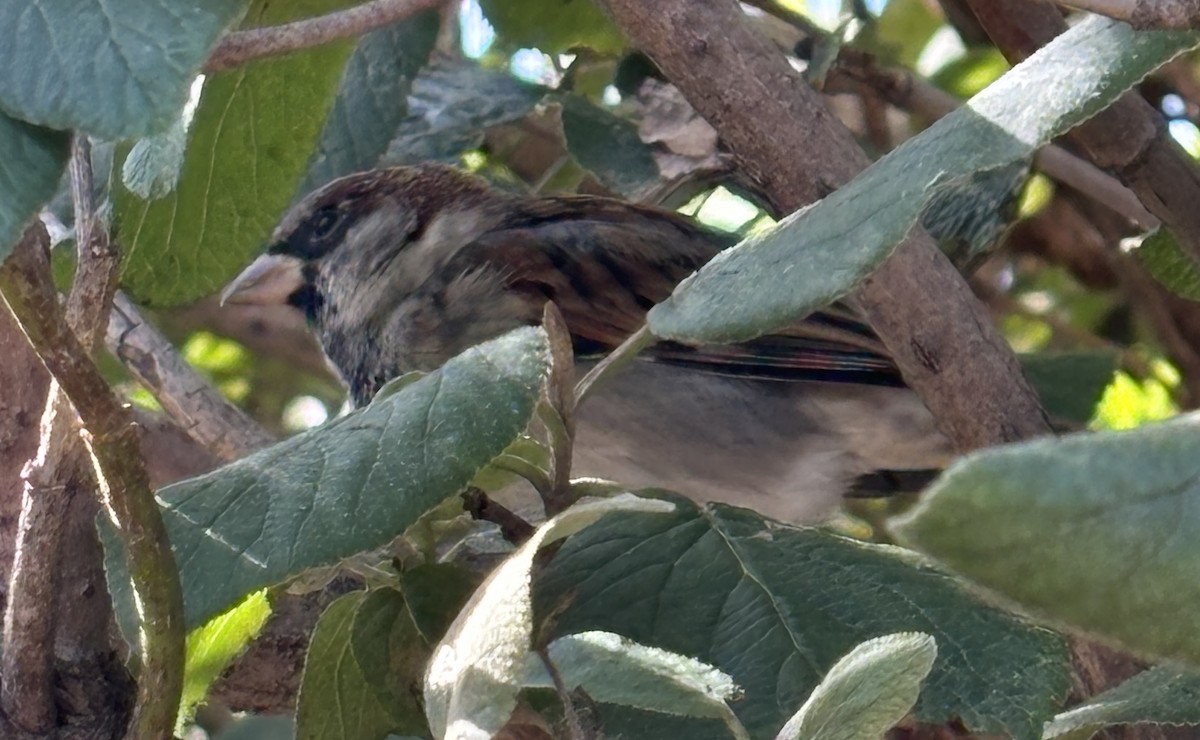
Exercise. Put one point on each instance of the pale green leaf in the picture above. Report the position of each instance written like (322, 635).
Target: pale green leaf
(616, 670)
(819, 254)
(1162, 695)
(1096, 531)
(867, 692)
(553, 26)
(477, 670)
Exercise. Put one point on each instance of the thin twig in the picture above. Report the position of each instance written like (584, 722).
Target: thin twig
(239, 47)
(111, 440)
(574, 726)
(514, 528)
(187, 397)
(617, 359)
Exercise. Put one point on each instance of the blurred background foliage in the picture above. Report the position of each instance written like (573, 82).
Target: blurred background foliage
(545, 96)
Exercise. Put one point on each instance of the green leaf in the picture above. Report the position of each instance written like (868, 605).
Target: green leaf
(451, 105)
(348, 486)
(1097, 531)
(1070, 384)
(616, 670)
(248, 147)
(115, 69)
(477, 670)
(819, 254)
(553, 26)
(1163, 258)
(395, 632)
(776, 606)
(372, 99)
(390, 657)
(1161, 695)
(336, 701)
(867, 692)
(608, 146)
(210, 648)
(31, 162)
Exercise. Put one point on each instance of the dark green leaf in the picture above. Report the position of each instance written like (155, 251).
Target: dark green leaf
(608, 146)
(372, 99)
(451, 105)
(395, 631)
(336, 702)
(115, 69)
(1098, 531)
(31, 161)
(1070, 385)
(819, 254)
(247, 149)
(776, 606)
(351, 485)
(391, 656)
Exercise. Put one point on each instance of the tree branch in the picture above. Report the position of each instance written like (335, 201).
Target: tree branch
(909, 92)
(788, 142)
(197, 407)
(1145, 14)
(240, 47)
(112, 442)
(1128, 139)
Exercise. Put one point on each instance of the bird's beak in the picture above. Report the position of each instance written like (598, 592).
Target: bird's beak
(270, 279)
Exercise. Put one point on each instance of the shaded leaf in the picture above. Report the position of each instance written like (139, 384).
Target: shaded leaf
(395, 631)
(477, 670)
(116, 69)
(1070, 384)
(867, 692)
(335, 700)
(31, 162)
(451, 104)
(775, 606)
(608, 146)
(1161, 695)
(248, 147)
(1097, 531)
(817, 255)
(372, 99)
(348, 486)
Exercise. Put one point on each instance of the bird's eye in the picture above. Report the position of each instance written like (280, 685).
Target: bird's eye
(325, 221)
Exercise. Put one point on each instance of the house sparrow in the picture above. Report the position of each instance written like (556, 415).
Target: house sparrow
(401, 269)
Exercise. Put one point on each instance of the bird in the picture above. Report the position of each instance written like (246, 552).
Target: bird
(399, 269)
